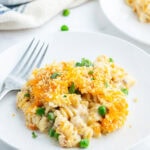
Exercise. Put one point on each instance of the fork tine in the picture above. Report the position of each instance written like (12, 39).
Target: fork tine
(30, 64)
(23, 56)
(42, 56)
(36, 61)
(27, 58)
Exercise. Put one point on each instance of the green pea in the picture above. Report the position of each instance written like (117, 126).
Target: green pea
(66, 12)
(64, 28)
(51, 132)
(40, 111)
(27, 95)
(34, 135)
(102, 110)
(54, 75)
(72, 89)
(56, 135)
(84, 143)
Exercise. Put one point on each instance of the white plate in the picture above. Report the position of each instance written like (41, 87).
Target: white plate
(68, 46)
(122, 16)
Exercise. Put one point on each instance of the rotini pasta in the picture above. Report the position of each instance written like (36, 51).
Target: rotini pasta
(68, 134)
(75, 101)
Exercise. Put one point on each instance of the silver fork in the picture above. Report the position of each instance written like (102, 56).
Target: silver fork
(32, 57)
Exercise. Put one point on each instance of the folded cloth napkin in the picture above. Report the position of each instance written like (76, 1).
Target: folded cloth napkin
(13, 2)
(23, 14)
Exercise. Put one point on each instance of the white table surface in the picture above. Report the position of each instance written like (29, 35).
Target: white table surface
(86, 18)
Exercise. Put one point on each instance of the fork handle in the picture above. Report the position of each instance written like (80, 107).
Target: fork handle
(3, 93)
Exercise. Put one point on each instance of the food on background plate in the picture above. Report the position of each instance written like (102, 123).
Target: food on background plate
(141, 8)
(75, 101)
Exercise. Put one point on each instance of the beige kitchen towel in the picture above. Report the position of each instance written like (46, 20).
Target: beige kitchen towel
(32, 13)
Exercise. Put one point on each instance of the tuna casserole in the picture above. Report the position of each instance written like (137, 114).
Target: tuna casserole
(75, 101)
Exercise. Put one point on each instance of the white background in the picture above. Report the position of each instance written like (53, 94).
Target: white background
(86, 18)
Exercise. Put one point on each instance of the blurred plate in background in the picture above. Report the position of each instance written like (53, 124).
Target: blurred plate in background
(123, 17)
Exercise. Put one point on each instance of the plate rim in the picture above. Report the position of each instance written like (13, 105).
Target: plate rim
(82, 32)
